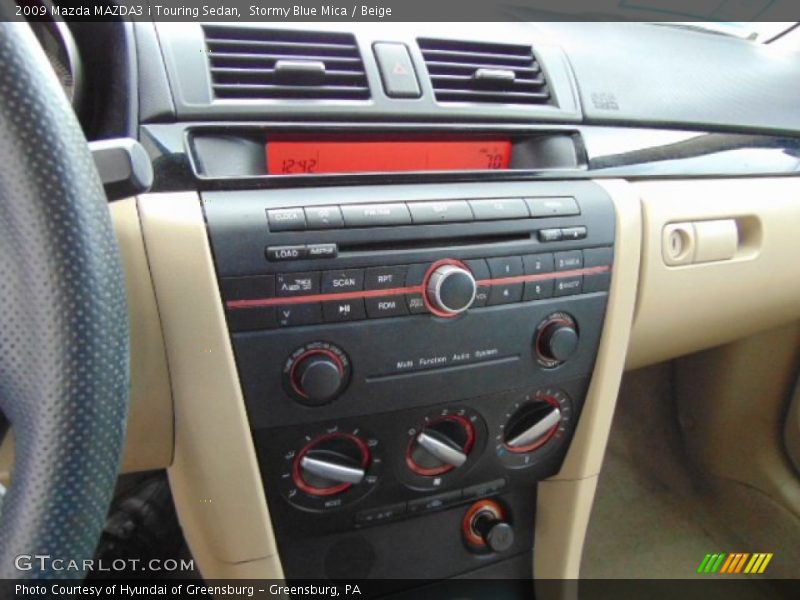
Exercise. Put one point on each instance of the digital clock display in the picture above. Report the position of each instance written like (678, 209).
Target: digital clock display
(320, 157)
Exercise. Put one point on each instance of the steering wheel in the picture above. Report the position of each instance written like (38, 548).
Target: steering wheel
(63, 322)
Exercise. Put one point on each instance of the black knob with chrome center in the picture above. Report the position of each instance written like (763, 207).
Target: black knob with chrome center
(450, 290)
(444, 444)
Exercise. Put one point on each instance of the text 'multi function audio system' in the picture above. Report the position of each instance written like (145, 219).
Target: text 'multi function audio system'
(414, 359)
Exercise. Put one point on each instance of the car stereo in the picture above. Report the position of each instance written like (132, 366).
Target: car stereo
(414, 358)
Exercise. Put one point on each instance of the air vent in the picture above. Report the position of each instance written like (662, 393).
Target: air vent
(265, 64)
(484, 72)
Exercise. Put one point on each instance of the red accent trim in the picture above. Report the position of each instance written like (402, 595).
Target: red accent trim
(303, 356)
(417, 289)
(425, 280)
(468, 427)
(466, 523)
(334, 489)
(539, 443)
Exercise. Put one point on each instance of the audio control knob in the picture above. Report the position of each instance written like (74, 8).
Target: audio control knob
(317, 373)
(556, 339)
(331, 464)
(441, 446)
(450, 289)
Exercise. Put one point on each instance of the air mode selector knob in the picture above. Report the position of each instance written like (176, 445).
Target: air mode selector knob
(331, 464)
(450, 289)
(556, 339)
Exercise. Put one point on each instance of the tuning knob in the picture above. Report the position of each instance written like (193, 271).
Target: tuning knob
(443, 444)
(331, 464)
(556, 339)
(450, 289)
(532, 425)
(485, 527)
(317, 374)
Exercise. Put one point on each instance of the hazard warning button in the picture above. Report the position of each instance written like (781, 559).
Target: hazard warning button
(397, 71)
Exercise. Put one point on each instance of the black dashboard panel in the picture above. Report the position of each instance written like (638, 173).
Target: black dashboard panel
(412, 358)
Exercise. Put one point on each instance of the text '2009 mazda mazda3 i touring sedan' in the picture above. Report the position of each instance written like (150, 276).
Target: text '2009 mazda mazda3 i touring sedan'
(309, 307)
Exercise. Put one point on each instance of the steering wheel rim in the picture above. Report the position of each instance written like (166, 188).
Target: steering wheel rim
(63, 322)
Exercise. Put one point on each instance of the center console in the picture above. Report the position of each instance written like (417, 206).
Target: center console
(414, 359)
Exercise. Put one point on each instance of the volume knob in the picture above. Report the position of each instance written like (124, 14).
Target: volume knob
(450, 290)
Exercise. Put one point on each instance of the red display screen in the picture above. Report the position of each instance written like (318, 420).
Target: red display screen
(316, 157)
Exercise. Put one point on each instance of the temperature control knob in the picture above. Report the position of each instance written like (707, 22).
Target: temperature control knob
(450, 289)
(532, 425)
(317, 373)
(331, 464)
(442, 445)
(556, 339)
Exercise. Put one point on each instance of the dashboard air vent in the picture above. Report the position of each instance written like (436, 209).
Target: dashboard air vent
(266, 64)
(484, 72)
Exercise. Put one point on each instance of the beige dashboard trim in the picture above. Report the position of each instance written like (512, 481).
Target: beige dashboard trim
(214, 476)
(564, 502)
(684, 309)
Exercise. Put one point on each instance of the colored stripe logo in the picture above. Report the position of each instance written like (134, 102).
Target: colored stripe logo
(737, 562)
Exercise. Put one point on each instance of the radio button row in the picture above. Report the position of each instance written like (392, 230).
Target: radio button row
(538, 290)
(292, 315)
(339, 311)
(534, 264)
(569, 261)
(505, 266)
(574, 233)
(286, 219)
(416, 305)
(297, 284)
(481, 296)
(384, 278)
(568, 286)
(449, 211)
(494, 209)
(558, 206)
(282, 253)
(375, 215)
(350, 280)
(386, 306)
(287, 253)
(324, 217)
(505, 293)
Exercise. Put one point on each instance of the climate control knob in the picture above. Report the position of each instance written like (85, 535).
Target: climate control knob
(331, 464)
(450, 289)
(532, 425)
(556, 339)
(441, 446)
(317, 373)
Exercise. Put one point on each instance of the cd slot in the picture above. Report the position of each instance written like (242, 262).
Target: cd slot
(428, 243)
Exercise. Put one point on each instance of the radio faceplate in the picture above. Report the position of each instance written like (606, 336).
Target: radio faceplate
(416, 368)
